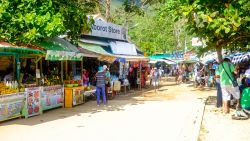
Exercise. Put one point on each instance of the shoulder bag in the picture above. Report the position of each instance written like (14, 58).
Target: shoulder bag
(235, 83)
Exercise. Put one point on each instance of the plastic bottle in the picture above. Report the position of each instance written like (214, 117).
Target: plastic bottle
(16, 85)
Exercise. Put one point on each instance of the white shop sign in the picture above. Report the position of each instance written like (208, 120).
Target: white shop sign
(108, 30)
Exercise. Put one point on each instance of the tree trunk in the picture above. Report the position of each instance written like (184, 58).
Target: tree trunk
(219, 53)
(108, 10)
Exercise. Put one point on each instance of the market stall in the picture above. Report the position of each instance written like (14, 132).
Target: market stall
(13, 97)
(62, 60)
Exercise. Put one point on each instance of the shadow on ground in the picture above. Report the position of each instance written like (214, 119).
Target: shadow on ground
(133, 97)
(211, 100)
(167, 91)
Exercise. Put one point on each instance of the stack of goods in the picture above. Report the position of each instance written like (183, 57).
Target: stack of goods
(8, 87)
(72, 83)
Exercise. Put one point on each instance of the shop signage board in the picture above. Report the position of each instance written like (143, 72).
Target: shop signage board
(108, 30)
(78, 96)
(52, 97)
(63, 55)
(33, 101)
(11, 105)
(123, 48)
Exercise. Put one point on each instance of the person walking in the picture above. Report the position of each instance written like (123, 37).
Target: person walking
(226, 72)
(155, 78)
(100, 86)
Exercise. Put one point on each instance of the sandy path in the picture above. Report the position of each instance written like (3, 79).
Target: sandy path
(173, 113)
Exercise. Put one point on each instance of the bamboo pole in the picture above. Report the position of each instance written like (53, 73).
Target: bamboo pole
(66, 70)
(35, 72)
(41, 67)
(62, 71)
(14, 66)
(140, 74)
(81, 68)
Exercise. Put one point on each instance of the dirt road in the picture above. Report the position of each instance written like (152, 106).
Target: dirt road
(172, 113)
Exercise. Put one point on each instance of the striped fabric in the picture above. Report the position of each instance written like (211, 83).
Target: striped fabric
(240, 58)
(100, 79)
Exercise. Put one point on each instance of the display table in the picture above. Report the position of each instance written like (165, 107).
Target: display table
(75, 96)
(52, 97)
(88, 93)
(11, 105)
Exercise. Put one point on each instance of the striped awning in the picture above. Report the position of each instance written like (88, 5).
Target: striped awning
(241, 58)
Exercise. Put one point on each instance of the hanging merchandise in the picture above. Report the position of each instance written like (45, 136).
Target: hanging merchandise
(121, 70)
(126, 68)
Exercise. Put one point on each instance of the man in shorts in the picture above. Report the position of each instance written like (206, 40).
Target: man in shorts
(226, 72)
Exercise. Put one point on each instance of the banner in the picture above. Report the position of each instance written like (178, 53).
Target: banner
(78, 96)
(11, 105)
(52, 97)
(63, 55)
(33, 101)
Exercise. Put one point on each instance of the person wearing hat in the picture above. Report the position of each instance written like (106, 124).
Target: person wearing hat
(226, 72)
(100, 86)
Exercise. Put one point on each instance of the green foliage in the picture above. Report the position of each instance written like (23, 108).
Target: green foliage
(75, 15)
(220, 23)
(131, 7)
(27, 21)
(150, 32)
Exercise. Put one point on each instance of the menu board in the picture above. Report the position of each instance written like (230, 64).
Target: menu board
(78, 96)
(11, 105)
(33, 101)
(52, 97)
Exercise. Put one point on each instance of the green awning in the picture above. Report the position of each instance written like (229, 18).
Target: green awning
(102, 53)
(13, 50)
(57, 44)
(60, 49)
(94, 48)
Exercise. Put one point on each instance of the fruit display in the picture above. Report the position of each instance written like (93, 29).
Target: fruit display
(72, 83)
(6, 89)
(52, 80)
(88, 88)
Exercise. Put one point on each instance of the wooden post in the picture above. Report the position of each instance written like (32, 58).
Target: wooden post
(14, 66)
(66, 69)
(81, 68)
(18, 68)
(41, 67)
(62, 71)
(36, 69)
(140, 75)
